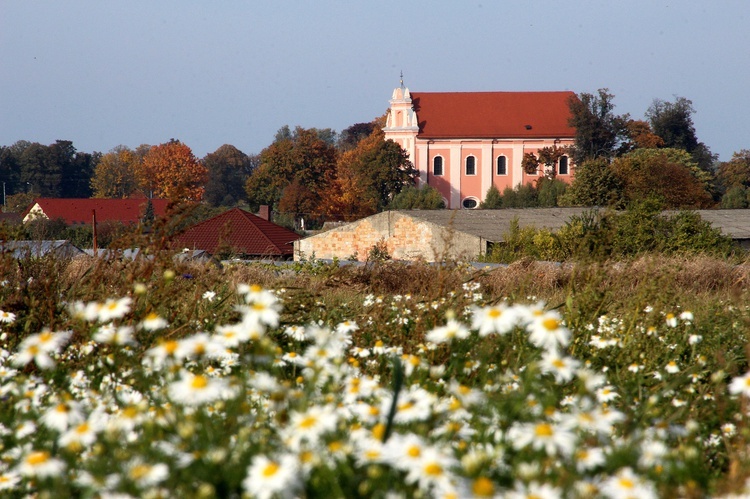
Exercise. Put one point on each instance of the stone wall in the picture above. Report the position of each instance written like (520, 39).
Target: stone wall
(404, 237)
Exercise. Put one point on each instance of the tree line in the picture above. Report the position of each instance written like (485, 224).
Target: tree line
(316, 174)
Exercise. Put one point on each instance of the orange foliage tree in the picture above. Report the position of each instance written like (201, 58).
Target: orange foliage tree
(171, 171)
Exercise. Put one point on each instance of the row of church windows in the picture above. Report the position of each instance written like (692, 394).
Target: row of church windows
(501, 166)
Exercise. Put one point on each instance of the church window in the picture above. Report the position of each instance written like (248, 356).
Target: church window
(502, 165)
(437, 165)
(471, 165)
(563, 170)
(470, 203)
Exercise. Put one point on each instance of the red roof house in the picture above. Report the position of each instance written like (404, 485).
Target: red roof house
(239, 232)
(75, 211)
(463, 143)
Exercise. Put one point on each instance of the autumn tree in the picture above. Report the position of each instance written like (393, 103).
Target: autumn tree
(734, 180)
(171, 171)
(116, 174)
(667, 175)
(228, 169)
(302, 156)
(599, 131)
(640, 136)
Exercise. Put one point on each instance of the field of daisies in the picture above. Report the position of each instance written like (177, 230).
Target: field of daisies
(151, 379)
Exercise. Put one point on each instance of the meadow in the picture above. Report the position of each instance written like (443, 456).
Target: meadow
(157, 379)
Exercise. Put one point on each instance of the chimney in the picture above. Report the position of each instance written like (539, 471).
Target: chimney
(265, 212)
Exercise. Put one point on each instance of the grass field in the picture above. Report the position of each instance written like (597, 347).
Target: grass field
(151, 379)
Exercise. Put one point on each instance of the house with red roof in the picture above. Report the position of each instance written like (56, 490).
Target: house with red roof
(76, 211)
(464, 142)
(238, 232)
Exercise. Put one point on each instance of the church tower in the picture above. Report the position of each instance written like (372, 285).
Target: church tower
(401, 125)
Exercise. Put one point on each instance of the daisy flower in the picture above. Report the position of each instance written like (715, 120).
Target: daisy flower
(197, 389)
(153, 322)
(114, 309)
(443, 334)
(553, 439)
(268, 478)
(562, 368)
(7, 317)
(37, 347)
(740, 385)
(500, 319)
(110, 334)
(627, 484)
(548, 332)
(40, 463)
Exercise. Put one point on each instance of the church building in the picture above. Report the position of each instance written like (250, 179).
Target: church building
(464, 142)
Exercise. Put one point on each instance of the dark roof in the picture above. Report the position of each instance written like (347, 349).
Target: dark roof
(80, 210)
(493, 114)
(240, 231)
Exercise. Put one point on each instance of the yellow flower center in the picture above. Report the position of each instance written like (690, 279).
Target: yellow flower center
(433, 469)
(626, 483)
(413, 451)
(483, 487)
(551, 324)
(544, 430)
(270, 470)
(256, 288)
(37, 458)
(308, 422)
(494, 313)
(199, 382)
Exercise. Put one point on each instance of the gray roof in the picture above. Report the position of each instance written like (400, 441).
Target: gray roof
(494, 225)
(21, 249)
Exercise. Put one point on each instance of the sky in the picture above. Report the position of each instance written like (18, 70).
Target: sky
(109, 73)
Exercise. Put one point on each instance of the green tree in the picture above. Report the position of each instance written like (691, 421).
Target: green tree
(418, 198)
(673, 122)
(228, 169)
(549, 191)
(595, 184)
(599, 132)
(492, 199)
(386, 170)
(39, 171)
(351, 136)
(522, 196)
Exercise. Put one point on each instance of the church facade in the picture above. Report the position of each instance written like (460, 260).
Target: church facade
(464, 142)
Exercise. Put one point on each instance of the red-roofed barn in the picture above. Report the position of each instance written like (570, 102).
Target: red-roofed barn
(75, 211)
(464, 142)
(238, 232)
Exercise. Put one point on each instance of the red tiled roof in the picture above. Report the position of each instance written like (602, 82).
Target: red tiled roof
(76, 211)
(241, 231)
(493, 114)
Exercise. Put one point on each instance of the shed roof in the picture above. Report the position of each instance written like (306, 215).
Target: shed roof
(493, 114)
(493, 225)
(240, 231)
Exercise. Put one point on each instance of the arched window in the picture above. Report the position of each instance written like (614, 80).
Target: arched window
(471, 165)
(502, 165)
(437, 165)
(470, 203)
(563, 170)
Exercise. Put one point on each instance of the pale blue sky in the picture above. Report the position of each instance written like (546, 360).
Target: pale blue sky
(104, 73)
